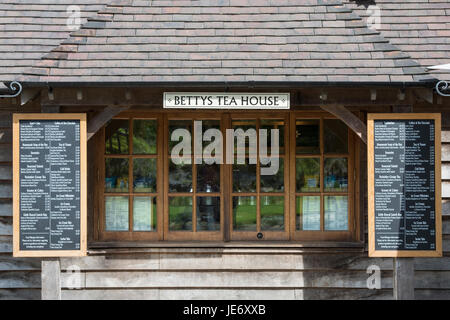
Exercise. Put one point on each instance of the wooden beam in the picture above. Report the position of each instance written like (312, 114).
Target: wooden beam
(50, 109)
(100, 119)
(351, 120)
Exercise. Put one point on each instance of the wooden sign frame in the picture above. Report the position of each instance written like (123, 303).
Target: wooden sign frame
(17, 252)
(371, 185)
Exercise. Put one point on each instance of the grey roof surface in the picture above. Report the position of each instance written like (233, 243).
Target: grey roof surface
(419, 27)
(31, 28)
(208, 41)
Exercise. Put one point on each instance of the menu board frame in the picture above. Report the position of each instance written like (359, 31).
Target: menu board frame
(371, 117)
(17, 252)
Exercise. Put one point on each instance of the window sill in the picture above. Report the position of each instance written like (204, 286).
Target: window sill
(100, 248)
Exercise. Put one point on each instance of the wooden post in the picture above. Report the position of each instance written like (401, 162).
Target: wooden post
(403, 276)
(51, 279)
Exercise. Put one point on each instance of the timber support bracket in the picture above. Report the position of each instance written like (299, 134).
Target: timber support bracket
(350, 119)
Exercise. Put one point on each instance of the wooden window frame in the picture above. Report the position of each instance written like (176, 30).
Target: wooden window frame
(171, 235)
(353, 146)
(131, 235)
(267, 235)
(226, 233)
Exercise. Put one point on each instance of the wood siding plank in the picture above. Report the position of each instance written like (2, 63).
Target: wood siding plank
(224, 279)
(20, 294)
(165, 261)
(6, 226)
(6, 208)
(20, 279)
(5, 244)
(5, 153)
(8, 263)
(233, 294)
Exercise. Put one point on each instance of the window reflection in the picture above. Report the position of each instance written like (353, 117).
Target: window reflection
(307, 133)
(336, 136)
(244, 178)
(336, 175)
(144, 136)
(116, 137)
(116, 175)
(208, 213)
(180, 213)
(273, 183)
(144, 175)
(272, 213)
(244, 213)
(208, 178)
(308, 174)
(180, 177)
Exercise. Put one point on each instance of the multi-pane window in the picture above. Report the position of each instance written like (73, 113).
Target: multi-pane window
(164, 178)
(130, 192)
(323, 179)
(193, 191)
(259, 200)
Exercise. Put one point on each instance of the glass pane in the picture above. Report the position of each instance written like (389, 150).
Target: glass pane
(179, 124)
(144, 136)
(270, 124)
(336, 174)
(246, 139)
(208, 213)
(208, 178)
(144, 214)
(273, 183)
(307, 176)
(244, 178)
(144, 175)
(180, 213)
(209, 142)
(180, 177)
(307, 134)
(116, 137)
(336, 212)
(209, 124)
(272, 213)
(308, 213)
(116, 213)
(244, 213)
(116, 175)
(335, 136)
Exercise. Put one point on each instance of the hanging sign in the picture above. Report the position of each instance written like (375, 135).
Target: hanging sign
(49, 185)
(404, 185)
(250, 101)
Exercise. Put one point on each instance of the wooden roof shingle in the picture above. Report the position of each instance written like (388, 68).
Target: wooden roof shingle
(220, 41)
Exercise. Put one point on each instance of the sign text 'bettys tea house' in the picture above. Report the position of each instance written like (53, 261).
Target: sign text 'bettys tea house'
(226, 100)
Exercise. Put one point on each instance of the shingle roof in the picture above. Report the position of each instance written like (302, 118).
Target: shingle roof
(214, 40)
(420, 28)
(31, 28)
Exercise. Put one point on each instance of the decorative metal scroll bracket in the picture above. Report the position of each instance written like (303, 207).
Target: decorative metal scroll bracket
(441, 87)
(16, 88)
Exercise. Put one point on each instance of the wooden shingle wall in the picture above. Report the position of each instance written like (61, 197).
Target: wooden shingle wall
(19, 278)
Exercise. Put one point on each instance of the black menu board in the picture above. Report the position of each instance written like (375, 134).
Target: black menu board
(49, 184)
(404, 185)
